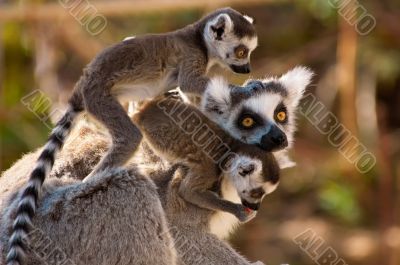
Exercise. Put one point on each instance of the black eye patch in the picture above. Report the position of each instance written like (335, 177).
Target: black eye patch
(247, 113)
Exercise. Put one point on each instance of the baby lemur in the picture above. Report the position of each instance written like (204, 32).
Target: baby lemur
(180, 132)
(263, 104)
(135, 69)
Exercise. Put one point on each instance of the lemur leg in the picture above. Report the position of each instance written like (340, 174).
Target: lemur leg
(194, 191)
(126, 137)
(204, 248)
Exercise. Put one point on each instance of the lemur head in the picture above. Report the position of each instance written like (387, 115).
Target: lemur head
(262, 112)
(253, 178)
(230, 38)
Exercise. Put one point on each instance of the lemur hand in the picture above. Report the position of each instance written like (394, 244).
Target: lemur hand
(254, 85)
(248, 88)
(172, 94)
(245, 214)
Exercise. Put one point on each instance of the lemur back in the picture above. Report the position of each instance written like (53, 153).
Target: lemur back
(136, 69)
(180, 132)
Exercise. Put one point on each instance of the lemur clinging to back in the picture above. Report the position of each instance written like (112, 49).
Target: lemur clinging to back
(263, 103)
(179, 132)
(135, 69)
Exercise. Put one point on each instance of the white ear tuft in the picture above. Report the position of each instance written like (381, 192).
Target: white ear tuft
(296, 81)
(219, 26)
(216, 97)
(250, 19)
(226, 20)
(283, 159)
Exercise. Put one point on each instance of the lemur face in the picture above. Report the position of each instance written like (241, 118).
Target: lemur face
(252, 180)
(230, 39)
(262, 112)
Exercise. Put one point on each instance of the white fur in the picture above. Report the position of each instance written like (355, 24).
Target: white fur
(59, 130)
(134, 91)
(209, 34)
(251, 43)
(23, 219)
(283, 159)
(183, 96)
(222, 223)
(250, 19)
(245, 184)
(218, 89)
(264, 105)
(269, 187)
(227, 19)
(17, 251)
(129, 38)
(46, 165)
(296, 81)
(132, 107)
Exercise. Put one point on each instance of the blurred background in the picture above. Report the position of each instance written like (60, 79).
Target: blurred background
(324, 205)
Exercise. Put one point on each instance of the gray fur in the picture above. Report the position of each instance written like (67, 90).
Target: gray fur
(135, 69)
(80, 157)
(111, 219)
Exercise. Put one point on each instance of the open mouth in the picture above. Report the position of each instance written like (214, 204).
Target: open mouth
(240, 69)
(253, 206)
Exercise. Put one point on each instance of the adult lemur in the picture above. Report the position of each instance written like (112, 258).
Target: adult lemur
(135, 69)
(78, 216)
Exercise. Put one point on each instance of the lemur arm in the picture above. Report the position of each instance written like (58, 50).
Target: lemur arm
(192, 78)
(193, 190)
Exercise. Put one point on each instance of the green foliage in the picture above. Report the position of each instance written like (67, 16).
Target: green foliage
(339, 200)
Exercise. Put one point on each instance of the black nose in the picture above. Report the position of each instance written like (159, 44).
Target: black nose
(274, 140)
(241, 69)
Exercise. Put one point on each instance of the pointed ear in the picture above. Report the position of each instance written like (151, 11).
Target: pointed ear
(250, 19)
(283, 160)
(220, 26)
(216, 98)
(296, 81)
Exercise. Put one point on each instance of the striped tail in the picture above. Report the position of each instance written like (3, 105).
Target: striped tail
(30, 194)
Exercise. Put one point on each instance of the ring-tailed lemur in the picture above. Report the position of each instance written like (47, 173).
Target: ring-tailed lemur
(80, 156)
(262, 112)
(138, 68)
(110, 219)
(271, 105)
(181, 133)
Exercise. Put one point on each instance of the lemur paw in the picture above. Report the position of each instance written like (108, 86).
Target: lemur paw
(249, 88)
(245, 214)
(172, 94)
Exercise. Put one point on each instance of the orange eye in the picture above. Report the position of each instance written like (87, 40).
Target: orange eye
(241, 51)
(247, 122)
(240, 54)
(281, 116)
